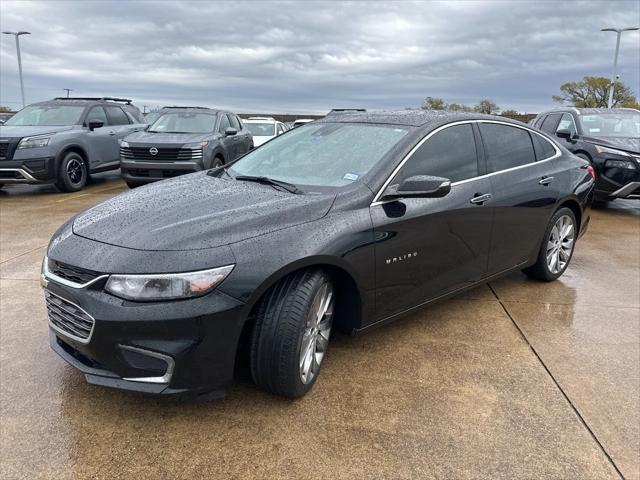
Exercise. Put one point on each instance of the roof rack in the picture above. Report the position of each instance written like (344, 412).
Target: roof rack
(112, 99)
(177, 106)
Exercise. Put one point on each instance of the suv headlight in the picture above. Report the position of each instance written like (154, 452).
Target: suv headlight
(169, 286)
(628, 165)
(194, 145)
(123, 143)
(601, 149)
(34, 142)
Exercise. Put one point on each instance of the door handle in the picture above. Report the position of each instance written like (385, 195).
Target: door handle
(112, 133)
(545, 181)
(480, 198)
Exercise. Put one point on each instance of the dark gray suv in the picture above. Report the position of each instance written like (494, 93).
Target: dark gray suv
(63, 140)
(183, 140)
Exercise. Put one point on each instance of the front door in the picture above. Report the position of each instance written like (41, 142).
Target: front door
(101, 140)
(427, 247)
(229, 142)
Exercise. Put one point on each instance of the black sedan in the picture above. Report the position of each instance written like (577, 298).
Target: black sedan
(346, 223)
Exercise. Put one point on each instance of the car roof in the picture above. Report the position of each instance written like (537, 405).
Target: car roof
(191, 109)
(259, 119)
(589, 111)
(412, 118)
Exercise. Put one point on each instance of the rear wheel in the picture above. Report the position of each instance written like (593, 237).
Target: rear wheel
(291, 334)
(557, 247)
(73, 173)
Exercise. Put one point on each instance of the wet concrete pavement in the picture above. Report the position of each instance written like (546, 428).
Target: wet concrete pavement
(517, 379)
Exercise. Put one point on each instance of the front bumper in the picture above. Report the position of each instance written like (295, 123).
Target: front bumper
(630, 190)
(31, 170)
(176, 347)
(140, 171)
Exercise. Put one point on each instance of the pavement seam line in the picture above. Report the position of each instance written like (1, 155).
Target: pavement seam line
(22, 254)
(555, 381)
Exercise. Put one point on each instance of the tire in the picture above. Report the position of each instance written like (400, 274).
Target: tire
(73, 174)
(132, 185)
(288, 344)
(217, 162)
(561, 242)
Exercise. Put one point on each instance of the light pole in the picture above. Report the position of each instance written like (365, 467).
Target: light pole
(68, 90)
(615, 59)
(17, 35)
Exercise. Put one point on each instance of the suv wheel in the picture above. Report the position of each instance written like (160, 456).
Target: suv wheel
(217, 162)
(291, 334)
(557, 247)
(73, 173)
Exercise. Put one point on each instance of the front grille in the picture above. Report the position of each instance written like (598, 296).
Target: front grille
(164, 154)
(71, 273)
(7, 148)
(68, 318)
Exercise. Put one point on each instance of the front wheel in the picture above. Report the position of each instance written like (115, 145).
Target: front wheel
(557, 247)
(73, 173)
(291, 334)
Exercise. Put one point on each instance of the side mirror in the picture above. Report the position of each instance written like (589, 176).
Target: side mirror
(564, 133)
(93, 124)
(419, 186)
(230, 132)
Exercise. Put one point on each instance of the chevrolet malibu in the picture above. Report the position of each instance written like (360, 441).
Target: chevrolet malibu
(346, 223)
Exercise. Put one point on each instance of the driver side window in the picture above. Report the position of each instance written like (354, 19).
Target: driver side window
(97, 113)
(567, 123)
(224, 123)
(450, 153)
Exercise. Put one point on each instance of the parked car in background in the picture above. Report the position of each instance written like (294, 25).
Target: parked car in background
(348, 223)
(340, 111)
(263, 129)
(302, 121)
(608, 138)
(183, 140)
(4, 116)
(64, 140)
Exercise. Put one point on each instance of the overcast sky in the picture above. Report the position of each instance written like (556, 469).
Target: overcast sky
(309, 57)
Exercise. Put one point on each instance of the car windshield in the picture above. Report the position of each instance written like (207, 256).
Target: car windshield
(614, 124)
(152, 117)
(261, 129)
(322, 155)
(184, 122)
(47, 115)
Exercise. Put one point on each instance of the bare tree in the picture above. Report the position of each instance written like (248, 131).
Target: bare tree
(433, 103)
(487, 106)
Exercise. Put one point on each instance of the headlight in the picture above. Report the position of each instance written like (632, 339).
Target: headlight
(601, 149)
(620, 164)
(34, 142)
(201, 144)
(124, 144)
(170, 286)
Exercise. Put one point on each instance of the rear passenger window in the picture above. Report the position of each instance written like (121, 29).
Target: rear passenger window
(506, 146)
(549, 123)
(117, 116)
(450, 153)
(543, 147)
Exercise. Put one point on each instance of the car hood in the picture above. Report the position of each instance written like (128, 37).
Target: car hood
(14, 131)
(260, 139)
(149, 138)
(629, 144)
(196, 211)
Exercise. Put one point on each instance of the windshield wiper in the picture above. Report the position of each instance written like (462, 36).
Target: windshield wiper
(289, 187)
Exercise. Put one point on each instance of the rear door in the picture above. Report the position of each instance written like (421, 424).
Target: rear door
(100, 140)
(525, 190)
(121, 124)
(426, 247)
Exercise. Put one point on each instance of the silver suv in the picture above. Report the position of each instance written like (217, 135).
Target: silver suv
(64, 140)
(183, 140)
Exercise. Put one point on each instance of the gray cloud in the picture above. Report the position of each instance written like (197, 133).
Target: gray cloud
(311, 56)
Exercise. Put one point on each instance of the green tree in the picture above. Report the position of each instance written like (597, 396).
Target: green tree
(4, 109)
(593, 92)
(487, 106)
(458, 107)
(433, 103)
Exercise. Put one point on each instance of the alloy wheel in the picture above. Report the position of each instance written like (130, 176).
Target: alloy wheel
(75, 171)
(315, 338)
(560, 244)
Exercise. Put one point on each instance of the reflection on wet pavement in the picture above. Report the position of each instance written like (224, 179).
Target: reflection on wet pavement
(453, 391)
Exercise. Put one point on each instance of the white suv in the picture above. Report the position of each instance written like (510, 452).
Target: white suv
(263, 129)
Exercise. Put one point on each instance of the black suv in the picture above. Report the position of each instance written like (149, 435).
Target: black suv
(609, 138)
(183, 140)
(63, 140)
